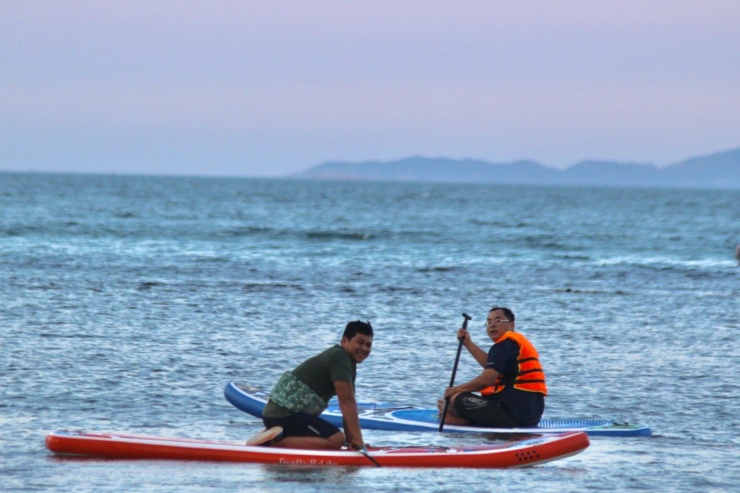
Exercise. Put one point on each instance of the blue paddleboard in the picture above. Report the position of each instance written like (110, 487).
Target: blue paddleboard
(390, 417)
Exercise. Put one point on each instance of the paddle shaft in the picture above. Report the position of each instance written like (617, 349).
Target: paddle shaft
(364, 452)
(454, 372)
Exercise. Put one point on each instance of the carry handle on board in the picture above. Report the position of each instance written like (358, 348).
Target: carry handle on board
(454, 371)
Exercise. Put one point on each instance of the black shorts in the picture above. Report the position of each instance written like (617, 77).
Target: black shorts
(483, 411)
(303, 425)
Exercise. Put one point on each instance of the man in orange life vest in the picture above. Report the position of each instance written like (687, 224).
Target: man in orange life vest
(511, 385)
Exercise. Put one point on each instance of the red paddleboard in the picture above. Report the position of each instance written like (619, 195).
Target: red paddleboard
(520, 453)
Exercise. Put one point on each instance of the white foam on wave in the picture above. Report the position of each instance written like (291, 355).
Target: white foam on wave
(705, 263)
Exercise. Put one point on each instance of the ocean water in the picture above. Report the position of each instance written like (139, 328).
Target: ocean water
(127, 303)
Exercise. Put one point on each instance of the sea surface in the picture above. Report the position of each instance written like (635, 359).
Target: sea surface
(127, 303)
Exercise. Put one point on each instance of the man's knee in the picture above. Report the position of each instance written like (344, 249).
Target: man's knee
(451, 408)
(337, 440)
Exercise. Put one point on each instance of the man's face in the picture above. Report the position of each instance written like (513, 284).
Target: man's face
(358, 347)
(497, 325)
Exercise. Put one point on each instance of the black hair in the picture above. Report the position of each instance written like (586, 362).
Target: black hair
(357, 327)
(507, 313)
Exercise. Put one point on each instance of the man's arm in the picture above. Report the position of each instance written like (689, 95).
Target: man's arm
(348, 405)
(485, 379)
(480, 356)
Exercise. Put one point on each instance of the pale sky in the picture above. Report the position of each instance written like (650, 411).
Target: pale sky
(247, 88)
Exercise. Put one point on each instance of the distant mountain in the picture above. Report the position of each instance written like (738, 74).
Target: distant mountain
(720, 170)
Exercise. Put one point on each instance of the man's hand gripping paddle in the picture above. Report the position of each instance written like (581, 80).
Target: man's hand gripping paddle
(454, 371)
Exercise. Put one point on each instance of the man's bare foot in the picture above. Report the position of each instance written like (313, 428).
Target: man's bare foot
(440, 405)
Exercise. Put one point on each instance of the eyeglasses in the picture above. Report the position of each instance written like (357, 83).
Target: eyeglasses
(496, 321)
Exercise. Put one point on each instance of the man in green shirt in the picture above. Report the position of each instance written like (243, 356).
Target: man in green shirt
(301, 396)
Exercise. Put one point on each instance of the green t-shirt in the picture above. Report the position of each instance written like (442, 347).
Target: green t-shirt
(319, 373)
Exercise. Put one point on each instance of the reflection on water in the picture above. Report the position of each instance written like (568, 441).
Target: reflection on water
(313, 475)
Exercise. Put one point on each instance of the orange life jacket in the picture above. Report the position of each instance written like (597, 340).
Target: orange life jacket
(530, 377)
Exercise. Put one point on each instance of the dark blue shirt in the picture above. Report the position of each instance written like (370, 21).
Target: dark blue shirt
(525, 407)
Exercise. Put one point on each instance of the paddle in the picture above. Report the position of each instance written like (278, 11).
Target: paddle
(454, 370)
(364, 452)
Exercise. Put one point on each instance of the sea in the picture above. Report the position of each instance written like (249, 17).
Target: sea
(127, 303)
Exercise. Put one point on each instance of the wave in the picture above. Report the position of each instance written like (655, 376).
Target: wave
(270, 286)
(244, 231)
(440, 268)
(667, 262)
(341, 235)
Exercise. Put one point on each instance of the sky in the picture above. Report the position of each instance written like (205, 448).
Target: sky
(270, 88)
